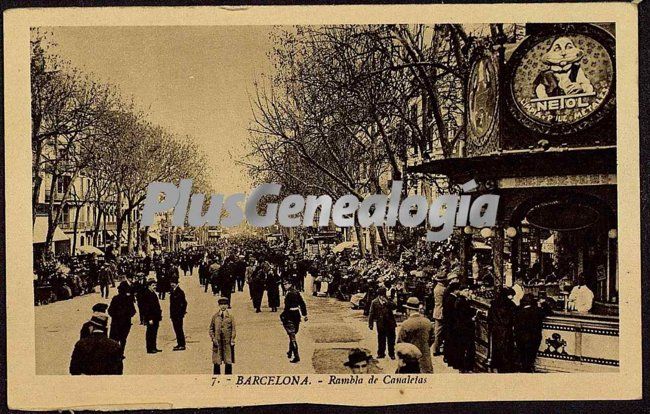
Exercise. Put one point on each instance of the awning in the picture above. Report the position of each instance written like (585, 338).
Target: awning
(558, 161)
(39, 232)
(342, 246)
(478, 245)
(88, 249)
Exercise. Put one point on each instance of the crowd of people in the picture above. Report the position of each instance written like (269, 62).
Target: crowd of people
(420, 287)
(144, 281)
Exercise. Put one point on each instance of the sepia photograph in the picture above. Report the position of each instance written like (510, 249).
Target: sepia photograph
(525, 110)
(325, 206)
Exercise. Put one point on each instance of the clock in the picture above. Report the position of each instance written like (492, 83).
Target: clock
(482, 105)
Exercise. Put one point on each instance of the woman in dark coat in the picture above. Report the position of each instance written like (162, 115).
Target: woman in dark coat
(501, 318)
(273, 288)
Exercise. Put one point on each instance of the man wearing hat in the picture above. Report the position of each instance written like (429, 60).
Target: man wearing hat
(152, 314)
(98, 309)
(381, 311)
(96, 354)
(177, 311)
(442, 280)
(358, 361)
(223, 333)
(417, 329)
(121, 311)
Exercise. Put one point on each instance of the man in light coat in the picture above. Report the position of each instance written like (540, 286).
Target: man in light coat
(438, 316)
(418, 330)
(223, 333)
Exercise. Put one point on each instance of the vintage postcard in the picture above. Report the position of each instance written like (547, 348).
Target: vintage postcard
(359, 205)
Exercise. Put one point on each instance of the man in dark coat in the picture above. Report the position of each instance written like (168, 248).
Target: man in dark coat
(162, 280)
(381, 311)
(294, 308)
(214, 277)
(226, 279)
(121, 311)
(87, 328)
(273, 280)
(177, 311)
(152, 313)
(105, 278)
(240, 273)
(528, 330)
(204, 274)
(257, 286)
(97, 354)
(501, 317)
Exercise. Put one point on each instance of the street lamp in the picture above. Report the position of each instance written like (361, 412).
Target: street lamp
(486, 232)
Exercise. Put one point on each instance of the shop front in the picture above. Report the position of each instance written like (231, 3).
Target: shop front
(550, 155)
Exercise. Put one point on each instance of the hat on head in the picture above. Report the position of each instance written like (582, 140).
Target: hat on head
(527, 300)
(407, 351)
(355, 356)
(173, 280)
(412, 303)
(100, 307)
(151, 280)
(223, 301)
(99, 321)
(440, 276)
(123, 287)
(452, 276)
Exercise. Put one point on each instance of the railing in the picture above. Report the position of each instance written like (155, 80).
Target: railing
(81, 225)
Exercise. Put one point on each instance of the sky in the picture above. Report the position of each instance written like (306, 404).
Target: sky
(191, 80)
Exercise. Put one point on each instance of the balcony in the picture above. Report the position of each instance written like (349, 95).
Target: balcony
(81, 225)
(57, 196)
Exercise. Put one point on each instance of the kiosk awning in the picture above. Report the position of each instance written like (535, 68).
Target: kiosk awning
(40, 232)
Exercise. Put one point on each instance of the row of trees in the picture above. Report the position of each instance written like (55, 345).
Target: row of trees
(347, 105)
(84, 128)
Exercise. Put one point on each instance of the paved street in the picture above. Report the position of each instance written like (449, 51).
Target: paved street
(333, 328)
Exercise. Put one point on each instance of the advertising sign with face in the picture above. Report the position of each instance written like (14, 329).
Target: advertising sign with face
(563, 82)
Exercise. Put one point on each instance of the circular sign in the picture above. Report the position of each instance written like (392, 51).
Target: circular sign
(482, 97)
(562, 215)
(562, 81)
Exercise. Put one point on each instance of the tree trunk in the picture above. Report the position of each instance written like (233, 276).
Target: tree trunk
(373, 240)
(360, 240)
(75, 227)
(98, 223)
(146, 244)
(128, 231)
(37, 179)
(119, 216)
(383, 238)
(138, 236)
